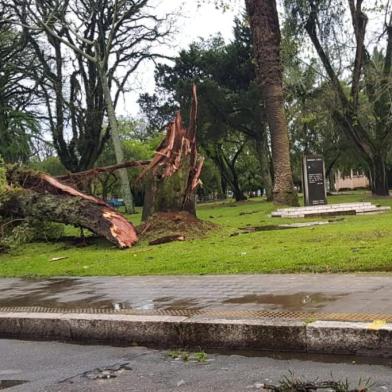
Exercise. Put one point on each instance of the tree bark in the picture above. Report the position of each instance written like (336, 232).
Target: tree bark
(372, 146)
(167, 194)
(174, 172)
(379, 179)
(265, 29)
(263, 155)
(40, 196)
(123, 174)
(68, 210)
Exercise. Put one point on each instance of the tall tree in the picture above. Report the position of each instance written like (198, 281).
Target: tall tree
(231, 113)
(363, 111)
(18, 120)
(100, 37)
(264, 22)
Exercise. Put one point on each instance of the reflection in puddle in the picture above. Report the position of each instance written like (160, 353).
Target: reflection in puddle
(4, 384)
(65, 293)
(294, 302)
(78, 293)
(169, 303)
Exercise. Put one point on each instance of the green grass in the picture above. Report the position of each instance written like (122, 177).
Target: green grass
(358, 243)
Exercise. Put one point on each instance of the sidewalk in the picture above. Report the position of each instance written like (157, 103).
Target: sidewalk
(325, 313)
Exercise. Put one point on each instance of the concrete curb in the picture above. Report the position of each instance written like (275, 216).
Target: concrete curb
(328, 337)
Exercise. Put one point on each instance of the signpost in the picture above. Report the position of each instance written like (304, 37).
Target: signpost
(315, 192)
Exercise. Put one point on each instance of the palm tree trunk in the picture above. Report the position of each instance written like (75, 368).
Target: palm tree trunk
(265, 28)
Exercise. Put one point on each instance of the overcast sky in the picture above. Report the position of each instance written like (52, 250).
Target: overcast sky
(196, 22)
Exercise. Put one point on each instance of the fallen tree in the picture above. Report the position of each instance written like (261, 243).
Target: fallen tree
(174, 173)
(38, 195)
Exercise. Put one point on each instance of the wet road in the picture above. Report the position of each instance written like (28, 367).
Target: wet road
(55, 367)
(308, 293)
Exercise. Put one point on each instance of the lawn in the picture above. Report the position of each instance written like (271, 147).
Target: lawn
(356, 243)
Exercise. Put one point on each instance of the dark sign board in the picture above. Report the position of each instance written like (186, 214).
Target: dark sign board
(315, 193)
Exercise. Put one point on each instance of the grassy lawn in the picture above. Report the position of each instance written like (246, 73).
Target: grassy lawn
(357, 243)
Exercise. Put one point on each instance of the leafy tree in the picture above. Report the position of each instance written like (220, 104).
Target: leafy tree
(230, 111)
(18, 123)
(136, 146)
(96, 39)
(362, 112)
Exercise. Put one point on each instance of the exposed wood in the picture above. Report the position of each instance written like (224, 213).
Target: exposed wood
(174, 173)
(40, 196)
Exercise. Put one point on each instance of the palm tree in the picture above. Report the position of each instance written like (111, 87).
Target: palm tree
(264, 24)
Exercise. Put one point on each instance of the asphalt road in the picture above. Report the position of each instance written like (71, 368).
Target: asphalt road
(56, 367)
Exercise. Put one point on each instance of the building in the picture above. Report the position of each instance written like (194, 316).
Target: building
(355, 180)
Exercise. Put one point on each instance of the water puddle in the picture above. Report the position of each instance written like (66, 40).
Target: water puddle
(307, 357)
(75, 293)
(52, 293)
(255, 229)
(293, 302)
(4, 384)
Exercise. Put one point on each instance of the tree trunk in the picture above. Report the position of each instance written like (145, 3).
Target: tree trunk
(223, 185)
(262, 152)
(174, 173)
(123, 174)
(40, 196)
(228, 174)
(379, 179)
(237, 191)
(265, 28)
(167, 194)
(238, 194)
(331, 177)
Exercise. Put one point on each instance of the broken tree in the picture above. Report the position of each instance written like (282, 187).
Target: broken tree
(174, 173)
(37, 195)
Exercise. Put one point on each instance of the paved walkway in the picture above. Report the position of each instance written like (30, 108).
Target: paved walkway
(354, 293)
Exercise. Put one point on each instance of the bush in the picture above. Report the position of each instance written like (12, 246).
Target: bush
(15, 233)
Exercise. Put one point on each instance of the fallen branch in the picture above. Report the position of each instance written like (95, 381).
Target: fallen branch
(38, 195)
(72, 177)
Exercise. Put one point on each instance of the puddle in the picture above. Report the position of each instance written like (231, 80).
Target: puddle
(264, 228)
(293, 302)
(74, 293)
(4, 384)
(52, 293)
(286, 226)
(171, 303)
(307, 357)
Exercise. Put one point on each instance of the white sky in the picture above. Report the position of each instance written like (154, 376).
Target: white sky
(196, 22)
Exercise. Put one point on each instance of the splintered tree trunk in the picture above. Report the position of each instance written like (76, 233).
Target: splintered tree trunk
(69, 210)
(167, 194)
(174, 173)
(37, 195)
(265, 28)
